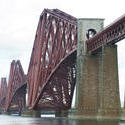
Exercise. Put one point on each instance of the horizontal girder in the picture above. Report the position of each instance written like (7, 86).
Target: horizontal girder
(110, 35)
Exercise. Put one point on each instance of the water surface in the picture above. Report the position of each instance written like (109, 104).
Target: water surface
(18, 120)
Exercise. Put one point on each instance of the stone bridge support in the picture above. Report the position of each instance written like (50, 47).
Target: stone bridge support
(97, 86)
(109, 97)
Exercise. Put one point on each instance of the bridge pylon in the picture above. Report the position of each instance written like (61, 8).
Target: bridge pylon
(109, 97)
(97, 87)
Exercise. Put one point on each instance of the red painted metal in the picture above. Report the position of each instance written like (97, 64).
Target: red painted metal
(51, 73)
(3, 91)
(110, 35)
(52, 69)
(18, 101)
(16, 81)
(58, 90)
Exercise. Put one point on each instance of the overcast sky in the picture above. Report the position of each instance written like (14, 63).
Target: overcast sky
(19, 20)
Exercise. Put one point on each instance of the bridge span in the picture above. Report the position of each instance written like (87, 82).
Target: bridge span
(68, 52)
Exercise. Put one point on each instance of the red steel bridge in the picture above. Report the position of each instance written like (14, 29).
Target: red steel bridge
(16, 93)
(51, 74)
(52, 69)
(3, 91)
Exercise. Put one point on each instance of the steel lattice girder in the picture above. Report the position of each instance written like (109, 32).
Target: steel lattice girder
(16, 80)
(3, 91)
(58, 91)
(55, 39)
(110, 35)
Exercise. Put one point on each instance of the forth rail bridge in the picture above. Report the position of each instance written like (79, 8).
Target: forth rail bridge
(68, 54)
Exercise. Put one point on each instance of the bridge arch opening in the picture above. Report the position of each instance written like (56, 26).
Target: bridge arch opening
(90, 33)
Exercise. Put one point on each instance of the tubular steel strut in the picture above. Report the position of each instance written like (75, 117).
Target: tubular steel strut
(51, 73)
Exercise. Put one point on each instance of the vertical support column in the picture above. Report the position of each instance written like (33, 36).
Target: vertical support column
(97, 86)
(87, 71)
(87, 98)
(109, 83)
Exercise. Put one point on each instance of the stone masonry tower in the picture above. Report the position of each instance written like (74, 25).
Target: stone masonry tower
(97, 88)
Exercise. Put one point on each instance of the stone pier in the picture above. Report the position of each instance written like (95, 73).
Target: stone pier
(87, 86)
(97, 85)
(109, 97)
(62, 113)
(31, 113)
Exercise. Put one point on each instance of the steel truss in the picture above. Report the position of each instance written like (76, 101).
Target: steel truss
(51, 74)
(16, 95)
